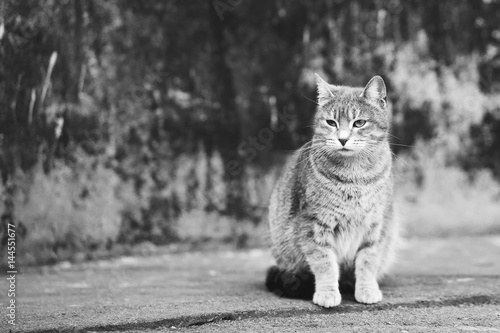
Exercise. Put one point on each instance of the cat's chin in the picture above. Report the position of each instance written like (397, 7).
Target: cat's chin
(345, 152)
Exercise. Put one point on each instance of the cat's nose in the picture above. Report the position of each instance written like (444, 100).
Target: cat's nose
(343, 141)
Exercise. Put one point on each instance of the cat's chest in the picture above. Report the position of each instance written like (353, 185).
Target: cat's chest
(344, 203)
(346, 213)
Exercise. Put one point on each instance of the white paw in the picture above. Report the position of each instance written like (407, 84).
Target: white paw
(327, 299)
(368, 294)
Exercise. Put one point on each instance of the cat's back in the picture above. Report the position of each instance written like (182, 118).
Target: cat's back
(290, 185)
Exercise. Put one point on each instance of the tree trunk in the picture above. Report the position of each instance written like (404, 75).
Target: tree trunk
(226, 117)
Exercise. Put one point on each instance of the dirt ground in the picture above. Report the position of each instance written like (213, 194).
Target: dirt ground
(450, 285)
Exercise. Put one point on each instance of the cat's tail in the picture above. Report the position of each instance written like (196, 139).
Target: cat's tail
(288, 284)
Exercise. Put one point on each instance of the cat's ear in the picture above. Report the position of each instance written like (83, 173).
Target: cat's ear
(324, 90)
(375, 89)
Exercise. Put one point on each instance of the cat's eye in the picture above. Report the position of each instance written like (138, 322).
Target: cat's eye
(359, 123)
(331, 122)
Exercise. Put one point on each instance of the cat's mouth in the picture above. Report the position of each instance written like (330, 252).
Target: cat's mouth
(345, 151)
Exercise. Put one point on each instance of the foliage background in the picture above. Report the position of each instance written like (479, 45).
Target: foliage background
(170, 113)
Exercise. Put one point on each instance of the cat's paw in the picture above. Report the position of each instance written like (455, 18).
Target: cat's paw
(368, 294)
(327, 299)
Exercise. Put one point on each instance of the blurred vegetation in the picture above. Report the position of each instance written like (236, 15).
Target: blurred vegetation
(166, 122)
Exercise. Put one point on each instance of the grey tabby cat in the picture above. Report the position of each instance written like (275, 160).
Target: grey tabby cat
(331, 213)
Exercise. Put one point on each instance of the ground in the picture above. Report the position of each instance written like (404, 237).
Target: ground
(447, 285)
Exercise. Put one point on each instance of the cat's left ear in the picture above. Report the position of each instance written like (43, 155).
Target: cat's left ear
(325, 90)
(375, 89)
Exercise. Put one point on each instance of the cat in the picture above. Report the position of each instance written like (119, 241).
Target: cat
(331, 213)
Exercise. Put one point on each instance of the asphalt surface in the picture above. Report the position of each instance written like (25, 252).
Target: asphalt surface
(437, 286)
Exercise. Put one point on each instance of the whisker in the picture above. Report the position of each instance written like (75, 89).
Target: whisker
(314, 154)
(401, 145)
(310, 100)
(400, 159)
(396, 157)
(313, 145)
(395, 137)
(392, 144)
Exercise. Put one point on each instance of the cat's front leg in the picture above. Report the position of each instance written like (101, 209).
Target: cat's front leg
(323, 264)
(366, 265)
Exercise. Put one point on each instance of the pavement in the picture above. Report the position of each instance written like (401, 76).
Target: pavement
(450, 285)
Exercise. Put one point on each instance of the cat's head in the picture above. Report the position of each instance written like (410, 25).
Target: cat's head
(351, 120)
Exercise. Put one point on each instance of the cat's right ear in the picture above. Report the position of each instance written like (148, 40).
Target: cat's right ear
(375, 89)
(324, 90)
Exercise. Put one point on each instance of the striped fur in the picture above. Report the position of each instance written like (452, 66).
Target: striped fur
(331, 213)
